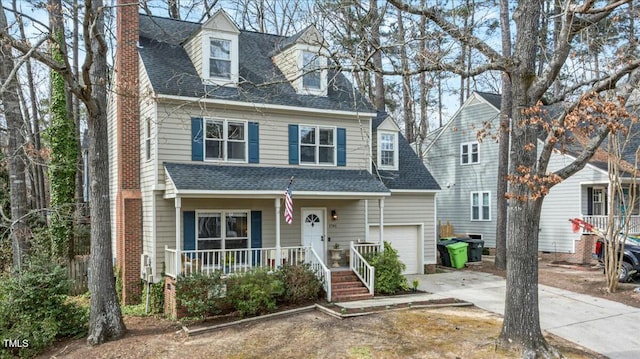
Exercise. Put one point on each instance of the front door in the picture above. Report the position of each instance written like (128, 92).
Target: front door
(313, 230)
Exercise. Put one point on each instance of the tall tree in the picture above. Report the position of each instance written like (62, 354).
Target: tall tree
(20, 231)
(64, 144)
(105, 319)
(529, 178)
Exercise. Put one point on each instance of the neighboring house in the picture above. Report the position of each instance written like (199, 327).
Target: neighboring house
(467, 170)
(220, 120)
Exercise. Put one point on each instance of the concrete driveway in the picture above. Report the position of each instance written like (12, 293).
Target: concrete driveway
(604, 326)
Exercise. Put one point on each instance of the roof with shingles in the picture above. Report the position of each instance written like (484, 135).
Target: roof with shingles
(412, 173)
(171, 71)
(212, 177)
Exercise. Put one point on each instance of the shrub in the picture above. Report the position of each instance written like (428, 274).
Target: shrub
(254, 292)
(300, 283)
(200, 293)
(34, 307)
(156, 297)
(388, 278)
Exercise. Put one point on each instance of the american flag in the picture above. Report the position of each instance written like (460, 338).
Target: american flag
(288, 205)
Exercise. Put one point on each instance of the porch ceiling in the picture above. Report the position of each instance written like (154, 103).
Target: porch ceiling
(210, 180)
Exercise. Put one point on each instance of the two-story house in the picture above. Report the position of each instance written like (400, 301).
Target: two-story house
(210, 124)
(467, 170)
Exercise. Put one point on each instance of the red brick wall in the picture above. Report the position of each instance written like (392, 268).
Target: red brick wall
(172, 309)
(128, 198)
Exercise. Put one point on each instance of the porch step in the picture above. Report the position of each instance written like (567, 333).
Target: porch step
(346, 286)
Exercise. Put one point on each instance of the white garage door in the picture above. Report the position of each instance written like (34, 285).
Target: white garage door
(405, 240)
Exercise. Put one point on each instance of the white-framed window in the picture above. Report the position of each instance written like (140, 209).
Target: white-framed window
(312, 72)
(147, 138)
(311, 79)
(220, 58)
(317, 145)
(222, 230)
(598, 201)
(388, 150)
(469, 153)
(225, 140)
(480, 206)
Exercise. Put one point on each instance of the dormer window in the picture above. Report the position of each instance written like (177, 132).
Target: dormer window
(220, 58)
(388, 150)
(311, 79)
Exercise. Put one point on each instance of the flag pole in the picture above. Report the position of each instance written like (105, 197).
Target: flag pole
(278, 256)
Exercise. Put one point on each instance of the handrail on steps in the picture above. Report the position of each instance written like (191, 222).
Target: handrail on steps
(365, 271)
(323, 273)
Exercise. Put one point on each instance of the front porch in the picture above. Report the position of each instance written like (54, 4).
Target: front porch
(602, 222)
(231, 261)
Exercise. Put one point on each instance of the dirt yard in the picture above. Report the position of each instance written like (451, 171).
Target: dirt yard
(465, 332)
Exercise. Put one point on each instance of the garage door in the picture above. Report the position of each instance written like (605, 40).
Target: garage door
(405, 240)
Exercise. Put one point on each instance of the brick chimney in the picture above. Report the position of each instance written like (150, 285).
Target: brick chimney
(128, 197)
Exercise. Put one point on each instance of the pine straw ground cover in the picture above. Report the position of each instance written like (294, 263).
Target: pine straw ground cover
(461, 332)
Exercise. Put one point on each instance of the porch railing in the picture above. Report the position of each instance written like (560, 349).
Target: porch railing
(365, 271)
(170, 262)
(602, 222)
(322, 271)
(230, 260)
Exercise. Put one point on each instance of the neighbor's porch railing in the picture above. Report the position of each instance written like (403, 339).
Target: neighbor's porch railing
(230, 260)
(365, 271)
(602, 222)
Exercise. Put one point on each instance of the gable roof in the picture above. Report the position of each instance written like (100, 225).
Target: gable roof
(412, 173)
(211, 177)
(171, 71)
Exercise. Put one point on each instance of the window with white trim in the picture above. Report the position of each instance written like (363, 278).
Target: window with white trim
(469, 153)
(225, 140)
(317, 145)
(480, 206)
(388, 150)
(147, 138)
(220, 58)
(311, 79)
(222, 230)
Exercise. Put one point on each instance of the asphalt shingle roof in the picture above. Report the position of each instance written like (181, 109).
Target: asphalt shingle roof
(411, 173)
(186, 176)
(171, 72)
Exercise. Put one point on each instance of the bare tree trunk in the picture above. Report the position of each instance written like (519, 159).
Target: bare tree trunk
(174, 9)
(20, 231)
(521, 324)
(503, 146)
(38, 163)
(422, 81)
(407, 93)
(377, 56)
(105, 321)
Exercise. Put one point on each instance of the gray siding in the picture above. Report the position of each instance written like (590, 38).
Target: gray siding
(458, 181)
(562, 203)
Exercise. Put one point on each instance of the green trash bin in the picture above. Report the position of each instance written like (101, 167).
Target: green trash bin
(458, 253)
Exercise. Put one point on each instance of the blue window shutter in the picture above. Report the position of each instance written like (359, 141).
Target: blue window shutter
(256, 235)
(342, 147)
(293, 145)
(590, 201)
(189, 230)
(197, 150)
(254, 144)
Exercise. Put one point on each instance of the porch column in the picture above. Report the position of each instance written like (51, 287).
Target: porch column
(366, 220)
(381, 206)
(278, 253)
(178, 205)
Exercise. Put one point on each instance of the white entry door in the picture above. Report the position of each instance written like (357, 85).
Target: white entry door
(313, 230)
